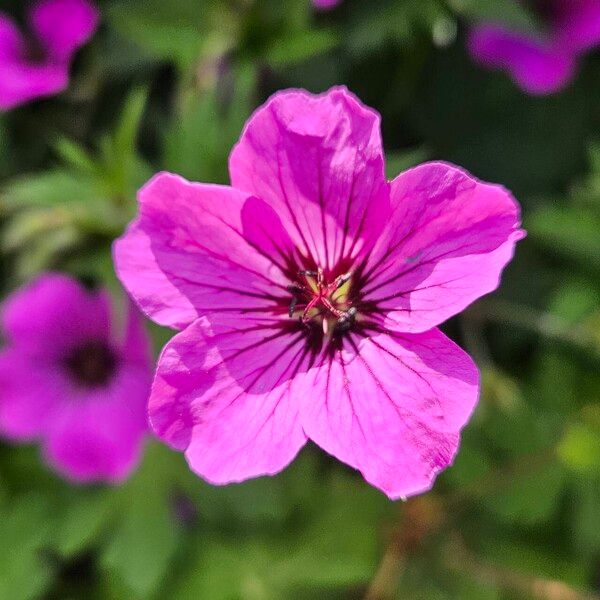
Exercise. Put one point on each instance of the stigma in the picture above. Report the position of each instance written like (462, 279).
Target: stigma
(317, 299)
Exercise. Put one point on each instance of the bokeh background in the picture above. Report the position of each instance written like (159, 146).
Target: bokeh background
(168, 84)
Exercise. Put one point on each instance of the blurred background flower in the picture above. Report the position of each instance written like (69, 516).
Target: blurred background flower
(326, 4)
(168, 84)
(69, 382)
(542, 61)
(36, 63)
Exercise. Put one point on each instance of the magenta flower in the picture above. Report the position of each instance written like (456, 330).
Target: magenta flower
(308, 294)
(325, 4)
(36, 65)
(67, 381)
(546, 62)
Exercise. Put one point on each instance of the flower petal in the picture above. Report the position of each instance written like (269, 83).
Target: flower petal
(54, 313)
(135, 347)
(318, 161)
(392, 406)
(30, 391)
(224, 392)
(186, 254)
(325, 4)
(11, 40)
(63, 26)
(536, 66)
(448, 240)
(577, 24)
(97, 434)
(20, 81)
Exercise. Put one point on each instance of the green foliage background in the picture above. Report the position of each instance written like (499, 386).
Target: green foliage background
(168, 84)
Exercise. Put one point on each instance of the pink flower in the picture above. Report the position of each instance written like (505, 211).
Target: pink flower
(37, 65)
(325, 4)
(308, 294)
(541, 63)
(66, 381)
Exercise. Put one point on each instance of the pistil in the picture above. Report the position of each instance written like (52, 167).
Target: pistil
(320, 294)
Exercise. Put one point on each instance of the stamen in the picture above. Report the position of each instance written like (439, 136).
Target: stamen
(322, 301)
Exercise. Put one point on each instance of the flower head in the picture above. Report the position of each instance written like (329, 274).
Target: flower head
(545, 62)
(308, 294)
(36, 65)
(69, 382)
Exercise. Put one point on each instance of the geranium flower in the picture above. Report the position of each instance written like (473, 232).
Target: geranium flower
(545, 62)
(69, 382)
(37, 64)
(308, 294)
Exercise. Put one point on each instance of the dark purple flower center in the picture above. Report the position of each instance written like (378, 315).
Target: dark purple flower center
(33, 50)
(545, 10)
(92, 364)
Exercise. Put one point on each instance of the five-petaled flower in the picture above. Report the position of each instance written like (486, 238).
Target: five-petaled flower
(69, 382)
(37, 64)
(542, 62)
(309, 293)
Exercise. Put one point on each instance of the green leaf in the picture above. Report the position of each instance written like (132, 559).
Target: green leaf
(374, 23)
(580, 448)
(198, 143)
(537, 560)
(75, 156)
(122, 169)
(158, 28)
(301, 46)
(24, 532)
(586, 515)
(179, 31)
(511, 13)
(146, 537)
(567, 232)
(332, 546)
(85, 517)
(522, 503)
(50, 188)
(128, 126)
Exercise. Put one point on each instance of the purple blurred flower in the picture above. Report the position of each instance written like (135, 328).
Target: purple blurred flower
(309, 294)
(546, 62)
(67, 381)
(325, 4)
(36, 64)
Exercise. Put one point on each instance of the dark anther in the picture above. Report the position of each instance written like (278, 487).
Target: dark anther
(342, 279)
(292, 306)
(345, 322)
